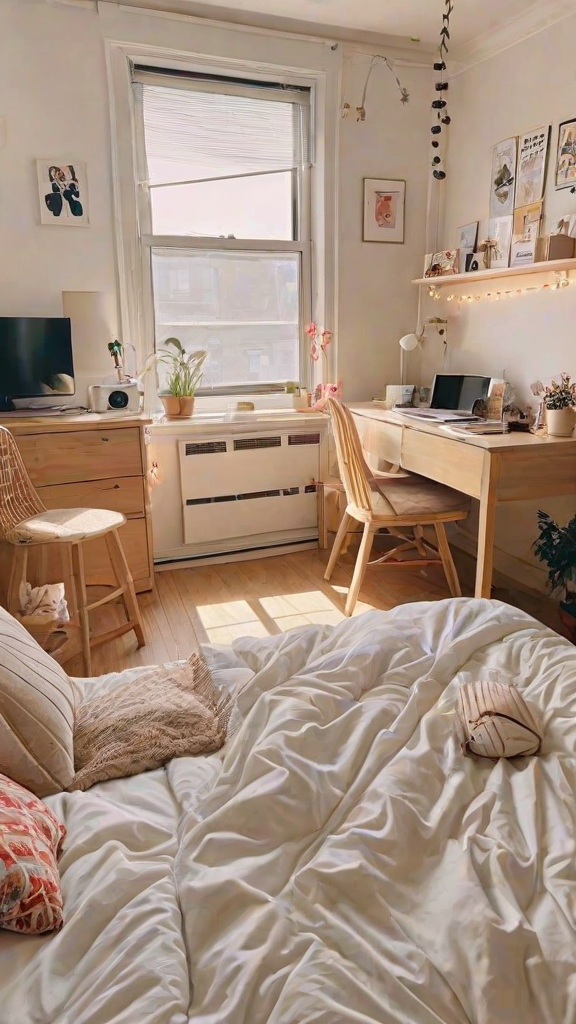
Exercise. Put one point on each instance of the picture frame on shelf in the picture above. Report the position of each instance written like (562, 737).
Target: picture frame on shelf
(565, 170)
(565, 225)
(384, 210)
(442, 264)
(525, 233)
(466, 240)
(500, 230)
(532, 166)
(503, 181)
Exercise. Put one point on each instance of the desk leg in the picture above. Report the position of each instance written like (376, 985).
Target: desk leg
(487, 525)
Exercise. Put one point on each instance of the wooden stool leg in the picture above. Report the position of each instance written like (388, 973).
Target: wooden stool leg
(17, 576)
(68, 580)
(124, 577)
(81, 596)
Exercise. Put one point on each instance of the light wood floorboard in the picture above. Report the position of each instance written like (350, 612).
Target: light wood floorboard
(218, 603)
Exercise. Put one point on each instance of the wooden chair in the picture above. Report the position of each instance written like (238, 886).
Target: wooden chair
(408, 501)
(25, 522)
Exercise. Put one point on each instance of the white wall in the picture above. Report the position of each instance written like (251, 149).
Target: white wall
(53, 96)
(523, 338)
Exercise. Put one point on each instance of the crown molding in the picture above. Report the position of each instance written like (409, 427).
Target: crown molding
(511, 33)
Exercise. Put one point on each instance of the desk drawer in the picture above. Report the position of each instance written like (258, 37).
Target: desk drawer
(383, 441)
(125, 495)
(81, 455)
(454, 463)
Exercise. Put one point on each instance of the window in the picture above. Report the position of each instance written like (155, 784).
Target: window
(225, 221)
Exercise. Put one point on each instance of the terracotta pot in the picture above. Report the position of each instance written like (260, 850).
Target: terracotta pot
(171, 404)
(560, 422)
(187, 405)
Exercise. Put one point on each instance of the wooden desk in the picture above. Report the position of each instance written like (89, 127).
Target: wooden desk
(91, 460)
(494, 469)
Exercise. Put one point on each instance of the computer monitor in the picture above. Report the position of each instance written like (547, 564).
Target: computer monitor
(458, 391)
(35, 358)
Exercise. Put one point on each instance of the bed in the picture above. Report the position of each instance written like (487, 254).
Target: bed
(339, 860)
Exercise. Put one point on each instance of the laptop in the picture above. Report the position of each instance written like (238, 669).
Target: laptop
(452, 398)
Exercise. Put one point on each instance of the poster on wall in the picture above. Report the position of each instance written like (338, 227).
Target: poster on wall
(63, 193)
(504, 158)
(525, 234)
(384, 210)
(532, 160)
(566, 155)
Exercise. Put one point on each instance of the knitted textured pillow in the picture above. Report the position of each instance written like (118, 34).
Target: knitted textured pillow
(30, 839)
(172, 711)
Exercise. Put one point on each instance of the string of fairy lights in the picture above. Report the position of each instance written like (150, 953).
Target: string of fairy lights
(562, 281)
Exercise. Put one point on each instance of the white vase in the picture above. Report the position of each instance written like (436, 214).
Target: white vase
(560, 422)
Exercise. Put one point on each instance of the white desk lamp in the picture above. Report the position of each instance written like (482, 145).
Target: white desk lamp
(409, 342)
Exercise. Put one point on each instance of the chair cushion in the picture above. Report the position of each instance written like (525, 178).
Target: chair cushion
(416, 496)
(30, 840)
(37, 701)
(65, 525)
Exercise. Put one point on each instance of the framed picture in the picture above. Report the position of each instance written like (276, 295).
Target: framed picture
(566, 155)
(384, 210)
(63, 193)
(500, 229)
(565, 225)
(504, 159)
(466, 240)
(443, 264)
(525, 233)
(532, 162)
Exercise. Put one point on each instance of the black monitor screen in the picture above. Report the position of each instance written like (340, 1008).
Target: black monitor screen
(458, 391)
(35, 356)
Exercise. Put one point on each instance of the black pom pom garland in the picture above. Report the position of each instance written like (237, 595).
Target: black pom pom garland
(441, 105)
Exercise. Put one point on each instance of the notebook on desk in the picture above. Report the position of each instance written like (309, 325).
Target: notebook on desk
(452, 398)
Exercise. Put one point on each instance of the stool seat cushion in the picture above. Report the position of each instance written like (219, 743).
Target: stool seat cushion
(37, 703)
(66, 525)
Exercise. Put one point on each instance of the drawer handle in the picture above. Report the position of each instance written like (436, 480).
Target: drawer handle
(114, 487)
(104, 439)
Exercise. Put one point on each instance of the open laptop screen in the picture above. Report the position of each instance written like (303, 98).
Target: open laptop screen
(458, 391)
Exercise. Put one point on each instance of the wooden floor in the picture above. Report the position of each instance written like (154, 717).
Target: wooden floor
(218, 603)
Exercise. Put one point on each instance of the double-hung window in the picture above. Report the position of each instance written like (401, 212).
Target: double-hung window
(224, 210)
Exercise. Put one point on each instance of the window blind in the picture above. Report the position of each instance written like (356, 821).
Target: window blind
(198, 130)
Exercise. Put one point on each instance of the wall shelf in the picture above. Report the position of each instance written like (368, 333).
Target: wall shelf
(550, 267)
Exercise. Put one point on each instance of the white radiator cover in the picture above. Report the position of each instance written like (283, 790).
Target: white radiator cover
(249, 485)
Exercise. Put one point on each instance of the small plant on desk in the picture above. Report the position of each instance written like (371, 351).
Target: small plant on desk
(560, 400)
(556, 547)
(184, 376)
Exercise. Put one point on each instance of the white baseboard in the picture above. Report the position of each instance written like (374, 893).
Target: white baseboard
(514, 569)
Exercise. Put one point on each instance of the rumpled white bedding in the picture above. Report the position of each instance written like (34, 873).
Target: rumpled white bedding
(340, 860)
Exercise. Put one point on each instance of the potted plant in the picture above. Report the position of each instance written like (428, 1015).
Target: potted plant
(556, 547)
(184, 376)
(559, 400)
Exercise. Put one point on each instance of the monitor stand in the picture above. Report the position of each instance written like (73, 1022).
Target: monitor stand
(6, 404)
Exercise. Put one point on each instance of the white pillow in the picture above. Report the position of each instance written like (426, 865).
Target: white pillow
(37, 702)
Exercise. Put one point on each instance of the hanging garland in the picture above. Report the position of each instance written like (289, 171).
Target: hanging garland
(440, 105)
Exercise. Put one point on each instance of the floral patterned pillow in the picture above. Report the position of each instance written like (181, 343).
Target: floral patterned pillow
(30, 840)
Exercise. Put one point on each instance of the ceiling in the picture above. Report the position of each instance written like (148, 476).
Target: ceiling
(471, 20)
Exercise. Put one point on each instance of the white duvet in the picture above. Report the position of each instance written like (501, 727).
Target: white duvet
(340, 860)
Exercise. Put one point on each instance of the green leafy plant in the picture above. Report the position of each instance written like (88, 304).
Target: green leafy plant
(560, 395)
(184, 369)
(556, 547)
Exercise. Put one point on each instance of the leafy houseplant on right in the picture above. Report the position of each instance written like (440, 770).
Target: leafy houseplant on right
(184, 376)
(560, 399)
(556, 547)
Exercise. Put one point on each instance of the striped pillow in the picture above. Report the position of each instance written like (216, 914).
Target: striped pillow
(36, 713)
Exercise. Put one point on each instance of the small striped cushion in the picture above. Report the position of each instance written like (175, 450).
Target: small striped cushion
(30, 840)
(36, 713)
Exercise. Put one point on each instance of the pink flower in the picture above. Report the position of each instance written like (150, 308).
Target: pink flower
(326, 340)
(312, 330)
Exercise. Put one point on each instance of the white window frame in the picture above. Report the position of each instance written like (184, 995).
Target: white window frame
(317, 244)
